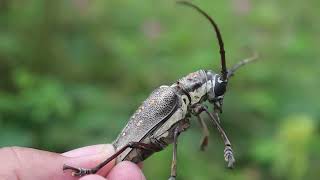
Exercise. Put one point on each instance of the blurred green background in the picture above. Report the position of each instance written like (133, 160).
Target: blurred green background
(72, 72)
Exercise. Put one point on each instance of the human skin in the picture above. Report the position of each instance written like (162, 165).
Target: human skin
(18, 163)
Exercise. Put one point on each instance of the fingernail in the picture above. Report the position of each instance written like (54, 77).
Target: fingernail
(89, 150)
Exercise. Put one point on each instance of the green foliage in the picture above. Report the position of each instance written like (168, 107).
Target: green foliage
(72, 72)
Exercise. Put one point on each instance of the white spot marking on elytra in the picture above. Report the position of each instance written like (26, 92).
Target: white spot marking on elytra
(139, 123)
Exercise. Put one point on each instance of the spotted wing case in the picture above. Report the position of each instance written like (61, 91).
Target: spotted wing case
(157, 108)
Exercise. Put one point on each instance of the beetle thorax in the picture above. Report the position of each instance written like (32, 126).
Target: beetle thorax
(198, 84)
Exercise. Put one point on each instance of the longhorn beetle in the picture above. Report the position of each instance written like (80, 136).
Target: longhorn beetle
(167, 111)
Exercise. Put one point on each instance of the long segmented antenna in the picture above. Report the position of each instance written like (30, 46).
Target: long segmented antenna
(224, 71)
(242, 63)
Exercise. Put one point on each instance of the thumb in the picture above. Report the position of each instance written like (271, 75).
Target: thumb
(89, 157)
(31, 164)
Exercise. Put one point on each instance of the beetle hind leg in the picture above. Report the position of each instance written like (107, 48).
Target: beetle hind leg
(78, 171)
(82, 171)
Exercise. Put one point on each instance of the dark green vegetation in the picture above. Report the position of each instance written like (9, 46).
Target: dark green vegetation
(72, 72)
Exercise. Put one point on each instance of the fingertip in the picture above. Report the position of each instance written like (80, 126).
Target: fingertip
(126, 171)
(92, 177)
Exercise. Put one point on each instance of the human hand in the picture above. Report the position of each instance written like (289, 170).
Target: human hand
(31, 164)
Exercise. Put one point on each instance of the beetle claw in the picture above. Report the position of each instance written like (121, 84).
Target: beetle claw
(77, 172)
(231, 162)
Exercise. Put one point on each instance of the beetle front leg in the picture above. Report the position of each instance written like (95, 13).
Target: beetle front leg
(205, 131)
(83, 171)
(196, 110)
(228, 153)
(173, 173)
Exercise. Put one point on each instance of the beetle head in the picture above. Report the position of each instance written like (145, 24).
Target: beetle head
(216, 89)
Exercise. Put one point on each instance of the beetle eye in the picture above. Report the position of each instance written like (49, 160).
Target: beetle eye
(220, 88)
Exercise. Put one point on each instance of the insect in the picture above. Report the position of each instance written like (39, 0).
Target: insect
(166, 113)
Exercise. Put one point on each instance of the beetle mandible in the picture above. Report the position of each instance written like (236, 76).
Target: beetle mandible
(167, 111)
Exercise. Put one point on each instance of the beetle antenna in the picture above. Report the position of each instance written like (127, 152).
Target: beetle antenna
(224, 71)
(242, 63)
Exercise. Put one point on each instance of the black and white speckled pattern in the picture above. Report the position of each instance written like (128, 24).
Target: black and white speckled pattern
(193, 80)
(156, 108)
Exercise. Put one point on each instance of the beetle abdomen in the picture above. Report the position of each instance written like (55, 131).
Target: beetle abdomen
(158, 107)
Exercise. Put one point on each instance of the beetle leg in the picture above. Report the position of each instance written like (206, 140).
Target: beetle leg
(173, 173)
(228, 153)
(83, 171)
(205, 131)
(196, 110)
